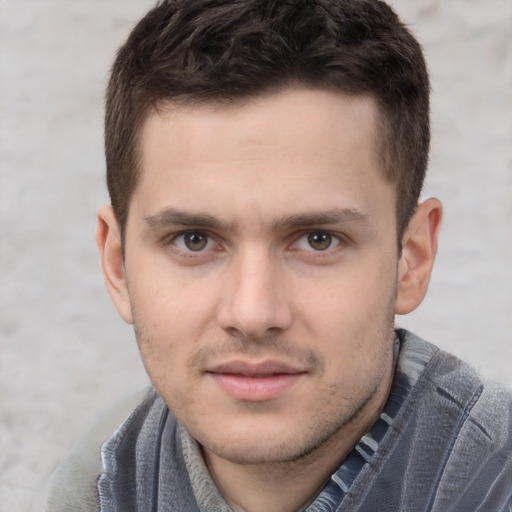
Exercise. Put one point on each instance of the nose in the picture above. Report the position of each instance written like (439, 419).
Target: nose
(254, 298)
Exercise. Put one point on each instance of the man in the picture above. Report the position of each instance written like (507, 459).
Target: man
(264, 163)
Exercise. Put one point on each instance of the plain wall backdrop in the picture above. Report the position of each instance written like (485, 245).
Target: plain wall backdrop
(64, 353)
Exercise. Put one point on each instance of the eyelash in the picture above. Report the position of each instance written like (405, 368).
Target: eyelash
(333, 239)
(206, 252)
(170, 242)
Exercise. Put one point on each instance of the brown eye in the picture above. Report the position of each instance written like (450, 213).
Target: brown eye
(195, 241)
(320, 241)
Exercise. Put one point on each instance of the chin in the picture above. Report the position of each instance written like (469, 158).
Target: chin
(267, 444)
(264, 453)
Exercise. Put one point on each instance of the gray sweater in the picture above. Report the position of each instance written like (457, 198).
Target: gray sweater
(442, 443)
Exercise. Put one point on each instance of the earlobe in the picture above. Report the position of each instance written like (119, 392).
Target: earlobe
(419, 247)
(108, 240)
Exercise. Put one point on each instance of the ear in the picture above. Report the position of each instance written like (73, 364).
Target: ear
(109, 244)
(419, 247)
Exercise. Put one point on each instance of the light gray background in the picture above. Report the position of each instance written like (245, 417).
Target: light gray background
(65, 355)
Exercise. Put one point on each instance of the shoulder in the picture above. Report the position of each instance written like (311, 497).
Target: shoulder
(480, 454)
(479, 401)
(469, 419)
(447, 384)
(73, 485)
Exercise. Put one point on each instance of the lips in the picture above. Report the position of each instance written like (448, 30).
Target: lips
(247, 369)
(255, 382)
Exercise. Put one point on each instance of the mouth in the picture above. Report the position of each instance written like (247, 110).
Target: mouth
(258, 382)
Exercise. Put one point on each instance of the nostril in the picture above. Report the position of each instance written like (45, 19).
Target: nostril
(252, 303)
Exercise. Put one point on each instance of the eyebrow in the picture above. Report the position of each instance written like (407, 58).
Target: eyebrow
(174, 217)
(334, 216)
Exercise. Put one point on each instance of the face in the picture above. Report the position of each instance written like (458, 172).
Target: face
(261, 269)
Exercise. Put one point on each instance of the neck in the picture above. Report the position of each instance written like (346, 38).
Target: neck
(290, 486)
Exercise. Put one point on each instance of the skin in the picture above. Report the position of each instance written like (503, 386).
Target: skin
(264, 234)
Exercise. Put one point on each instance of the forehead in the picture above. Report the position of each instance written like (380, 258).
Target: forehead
(296, 119)
(295, 145)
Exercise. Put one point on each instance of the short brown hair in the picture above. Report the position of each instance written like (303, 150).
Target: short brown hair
(193, 51)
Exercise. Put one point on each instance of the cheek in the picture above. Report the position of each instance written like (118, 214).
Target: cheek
(351, 298)
(168, 300)
(172, 316)
(352, 320)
